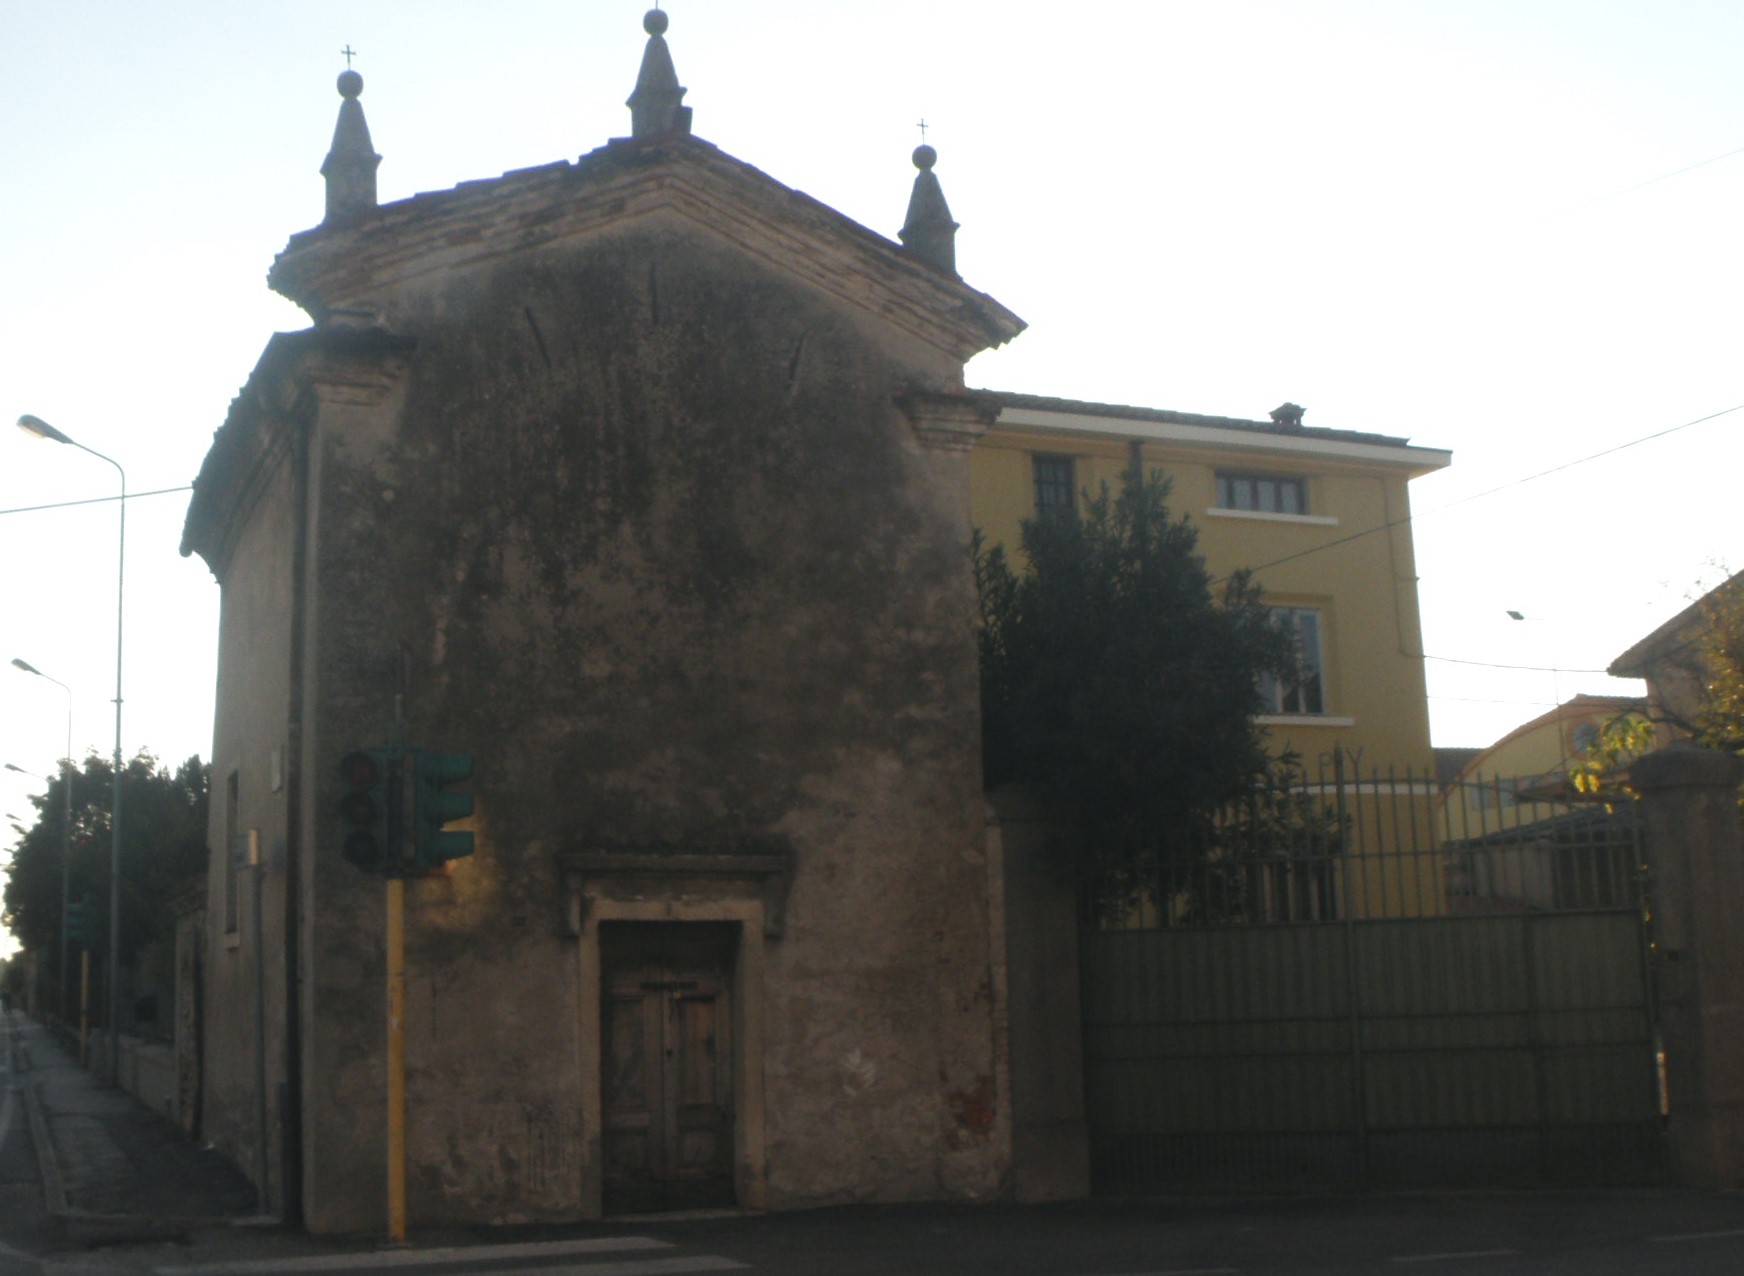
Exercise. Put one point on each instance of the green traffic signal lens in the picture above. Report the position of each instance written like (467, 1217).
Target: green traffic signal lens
(362, 849)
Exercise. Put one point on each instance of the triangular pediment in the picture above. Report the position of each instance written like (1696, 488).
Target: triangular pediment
(674, 176)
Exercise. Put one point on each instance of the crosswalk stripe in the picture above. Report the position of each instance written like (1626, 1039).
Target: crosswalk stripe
(1697, 1236)
(631, 1267)
(1191, 1271)
(1456, 1256)
(372, 1260)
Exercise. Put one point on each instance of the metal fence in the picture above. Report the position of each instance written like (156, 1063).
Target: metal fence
(1333, 844)
(1373, 978)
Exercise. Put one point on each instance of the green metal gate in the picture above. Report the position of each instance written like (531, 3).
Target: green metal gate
(1378, 1003)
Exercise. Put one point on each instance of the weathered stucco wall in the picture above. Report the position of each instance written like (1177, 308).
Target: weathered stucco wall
(254, 672)
(1050, 1147)
(664, 554)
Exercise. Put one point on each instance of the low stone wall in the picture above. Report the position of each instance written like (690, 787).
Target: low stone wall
(148, 1072)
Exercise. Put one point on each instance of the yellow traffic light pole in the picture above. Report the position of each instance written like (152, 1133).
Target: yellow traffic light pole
(84, 1007)
(375, 805)
(396, 962)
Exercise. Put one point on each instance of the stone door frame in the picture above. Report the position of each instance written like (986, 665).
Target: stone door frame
(614, 899)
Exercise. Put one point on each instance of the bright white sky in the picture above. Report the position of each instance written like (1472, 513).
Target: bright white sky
(1462, 221)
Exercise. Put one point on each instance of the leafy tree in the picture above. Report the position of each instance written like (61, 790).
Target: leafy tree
(1602, 771)
(1704, 678)
(1719, 719)
(1271, 855)
(163, 844)
(1115, 684)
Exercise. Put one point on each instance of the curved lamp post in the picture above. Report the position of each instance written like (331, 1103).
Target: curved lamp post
(66, 825)
(1555, 670)
(43, 430)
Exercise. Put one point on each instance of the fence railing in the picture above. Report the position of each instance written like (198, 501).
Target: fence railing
(1333, 843)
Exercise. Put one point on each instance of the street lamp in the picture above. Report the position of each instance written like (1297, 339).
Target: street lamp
(1555, 671)
(43, 430)
(66, 829)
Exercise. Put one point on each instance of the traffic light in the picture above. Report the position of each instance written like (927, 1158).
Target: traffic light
(433, 807)
(372, 807)
(77, 923)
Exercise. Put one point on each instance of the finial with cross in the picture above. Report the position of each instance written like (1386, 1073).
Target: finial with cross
(922, 126)
(349, 53)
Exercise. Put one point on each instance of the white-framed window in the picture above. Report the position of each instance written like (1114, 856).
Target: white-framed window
(1262, 493)
(1500, 793)
(1304, 691)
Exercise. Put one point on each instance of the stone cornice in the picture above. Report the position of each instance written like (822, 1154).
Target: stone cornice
(345, 363)
(948, 422)
(622, 183)
(765, 871)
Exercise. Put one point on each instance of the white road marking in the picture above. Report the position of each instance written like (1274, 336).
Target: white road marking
(1189, 1271)
(1455, 1257)
(6, 1251)
(630, 1267)
(1697, 1236)
(364, 1260)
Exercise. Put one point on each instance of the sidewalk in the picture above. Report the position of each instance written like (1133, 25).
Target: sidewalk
(111, 1167)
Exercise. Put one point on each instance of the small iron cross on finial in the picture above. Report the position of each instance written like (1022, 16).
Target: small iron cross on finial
(922, 126)
(349, 53)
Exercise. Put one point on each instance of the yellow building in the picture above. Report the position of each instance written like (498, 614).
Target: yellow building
(1322, 516)
(1518, 834)
(1529, 767)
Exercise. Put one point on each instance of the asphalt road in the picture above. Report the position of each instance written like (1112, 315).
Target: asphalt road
(1642, 1233)
(26, 1228)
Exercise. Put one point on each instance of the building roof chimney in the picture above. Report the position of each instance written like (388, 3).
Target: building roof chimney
(1288, 415)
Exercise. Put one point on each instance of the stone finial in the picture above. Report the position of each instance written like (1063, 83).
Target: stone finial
(655, 103)
(351, 161)
(928, 232)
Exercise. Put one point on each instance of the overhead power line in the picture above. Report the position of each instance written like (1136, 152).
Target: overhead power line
(1541, 704)
(1407, 519)
(97, 500)
(1666, 177)
(1490, 664)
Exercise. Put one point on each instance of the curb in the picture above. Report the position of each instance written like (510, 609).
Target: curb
(91, 1228)
(54, 1187)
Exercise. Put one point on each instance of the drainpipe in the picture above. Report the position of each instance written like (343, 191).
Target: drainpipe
(291, 1102)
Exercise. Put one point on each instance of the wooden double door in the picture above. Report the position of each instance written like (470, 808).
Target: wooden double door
(667, 1064)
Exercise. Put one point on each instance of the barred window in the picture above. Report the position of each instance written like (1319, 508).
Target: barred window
(1055, 489)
